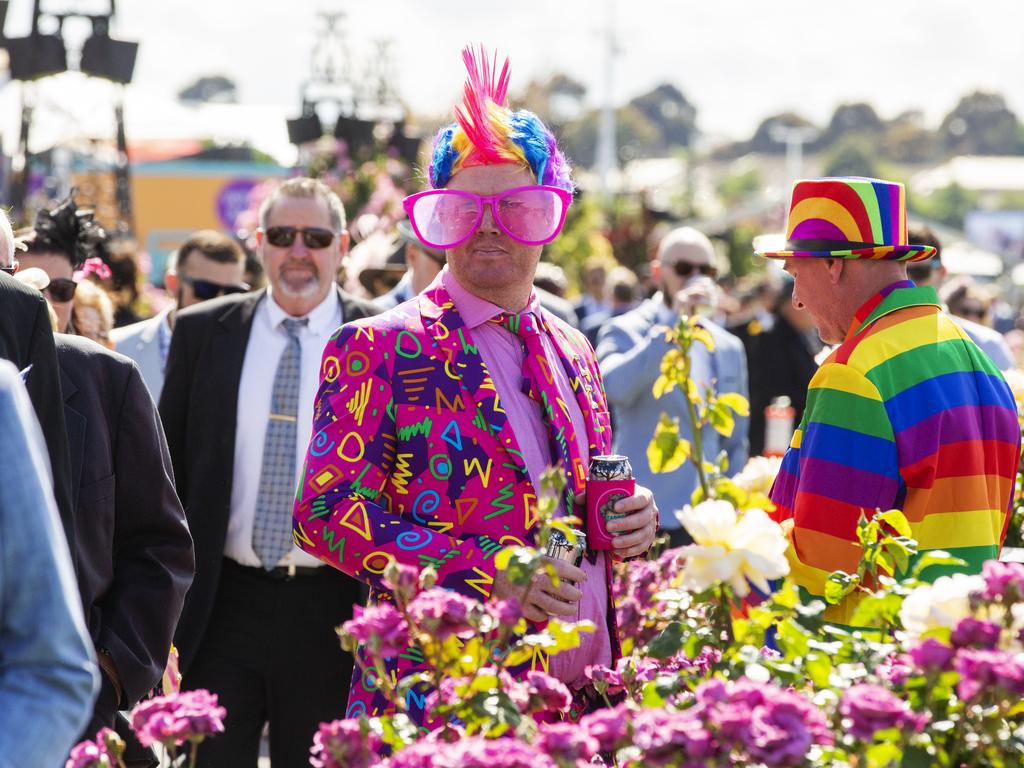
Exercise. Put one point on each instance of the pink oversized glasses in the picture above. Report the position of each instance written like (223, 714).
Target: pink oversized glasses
(445, 218)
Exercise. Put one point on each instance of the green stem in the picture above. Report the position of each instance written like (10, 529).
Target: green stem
(697, 455)
(195, 752)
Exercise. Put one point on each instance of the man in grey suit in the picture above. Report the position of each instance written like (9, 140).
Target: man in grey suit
(629, 350)
(208, 264)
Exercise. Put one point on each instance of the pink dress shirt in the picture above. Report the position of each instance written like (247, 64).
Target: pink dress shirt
(502, 353)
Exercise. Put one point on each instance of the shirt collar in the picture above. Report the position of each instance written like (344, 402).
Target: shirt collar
(898, 295)
(320, 318)
(474, 310)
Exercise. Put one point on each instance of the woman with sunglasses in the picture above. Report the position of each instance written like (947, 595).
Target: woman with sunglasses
(59, 244)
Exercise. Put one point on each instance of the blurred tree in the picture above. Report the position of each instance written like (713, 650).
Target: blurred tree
(635, 136)
(739, 185)
(853, 155)
(763, 139)
(557, 100)
(981, 124)
(858, 119)
(739, 247)
(948, 205)
(671, 113)
(217, 88)
(907, 140)
(582, 237)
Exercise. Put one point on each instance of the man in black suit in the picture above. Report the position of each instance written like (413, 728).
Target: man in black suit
(26, 339)
(134, 560)
(237, 405)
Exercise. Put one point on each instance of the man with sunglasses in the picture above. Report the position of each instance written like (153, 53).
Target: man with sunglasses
(630, 348)
(237, 403)
(436, 419)
(207, 265)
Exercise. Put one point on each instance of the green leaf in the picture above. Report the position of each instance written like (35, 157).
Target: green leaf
(652, 698)
(566, 635)
(667, 643)
(793, 639)
(819, 669)
(736, 402)
(721, 419)
(838, 585)
(883, 755)
(667, 451)
(897, 520)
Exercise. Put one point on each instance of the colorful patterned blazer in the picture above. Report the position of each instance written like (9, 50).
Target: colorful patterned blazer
(413, 460)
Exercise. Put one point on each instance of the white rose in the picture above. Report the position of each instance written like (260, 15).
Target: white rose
(942, 604)
(759, 474)
(731, 548)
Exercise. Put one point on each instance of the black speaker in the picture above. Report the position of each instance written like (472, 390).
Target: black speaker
(110, 59)
(36, 56)
(305, 129)
(358, 134)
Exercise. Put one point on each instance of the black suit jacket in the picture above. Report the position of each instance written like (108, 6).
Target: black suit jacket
(27, 339)
(199, 405)
(135, 558)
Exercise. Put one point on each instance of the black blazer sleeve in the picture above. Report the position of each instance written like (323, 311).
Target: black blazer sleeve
(153, 556)
(43, 384)
(174, 401)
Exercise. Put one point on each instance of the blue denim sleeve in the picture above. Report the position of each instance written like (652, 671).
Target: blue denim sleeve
(47, 670)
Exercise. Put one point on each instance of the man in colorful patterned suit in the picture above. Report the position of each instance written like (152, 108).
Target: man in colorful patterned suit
(906, 413)
(425, 450)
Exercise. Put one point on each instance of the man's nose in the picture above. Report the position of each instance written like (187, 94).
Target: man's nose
(487, 223)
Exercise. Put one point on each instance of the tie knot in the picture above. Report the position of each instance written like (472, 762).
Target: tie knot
(292, 325)
(523, 324)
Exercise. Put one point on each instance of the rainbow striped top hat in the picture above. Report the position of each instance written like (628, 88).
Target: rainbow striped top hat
(849, 218)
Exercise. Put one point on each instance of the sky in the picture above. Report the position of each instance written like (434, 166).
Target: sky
(736, 61)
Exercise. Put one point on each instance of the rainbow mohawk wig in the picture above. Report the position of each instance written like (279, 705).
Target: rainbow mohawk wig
(487, 132)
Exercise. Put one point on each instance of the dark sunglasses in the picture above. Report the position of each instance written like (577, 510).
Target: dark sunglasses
(61, 289)
(685, 269)
(205, 290)
(8, 270)
(312, 237)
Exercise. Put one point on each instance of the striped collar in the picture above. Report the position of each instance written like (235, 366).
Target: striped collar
(895, 296)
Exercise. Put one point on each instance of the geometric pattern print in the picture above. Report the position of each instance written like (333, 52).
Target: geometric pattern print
(907, 413)
(271, 531)
(413, 460)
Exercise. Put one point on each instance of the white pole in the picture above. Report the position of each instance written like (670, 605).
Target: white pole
(606, 150)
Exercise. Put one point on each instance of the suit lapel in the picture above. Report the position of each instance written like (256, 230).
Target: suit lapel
(444, 324)
(75, 426)
(227, 349)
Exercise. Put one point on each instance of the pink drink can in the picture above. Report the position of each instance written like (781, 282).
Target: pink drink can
(610, 479)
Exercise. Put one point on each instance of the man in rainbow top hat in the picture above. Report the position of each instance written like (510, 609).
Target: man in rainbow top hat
(435, 419)
(906, 413)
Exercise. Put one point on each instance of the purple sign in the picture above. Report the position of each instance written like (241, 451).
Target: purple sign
(233, 199)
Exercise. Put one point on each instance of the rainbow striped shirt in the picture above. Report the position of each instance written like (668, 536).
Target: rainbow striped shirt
(906, 413)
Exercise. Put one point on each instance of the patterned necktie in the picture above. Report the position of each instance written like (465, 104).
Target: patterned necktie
(272, 527)
(539, 384)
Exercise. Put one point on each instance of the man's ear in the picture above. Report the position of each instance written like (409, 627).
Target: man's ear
(171, 282)
(835, 268)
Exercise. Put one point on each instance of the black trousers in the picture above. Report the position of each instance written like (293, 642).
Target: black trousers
(271, 654)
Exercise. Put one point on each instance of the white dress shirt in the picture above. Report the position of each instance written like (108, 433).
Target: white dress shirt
(267, 343)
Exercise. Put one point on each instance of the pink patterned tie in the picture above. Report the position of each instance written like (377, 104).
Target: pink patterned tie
(539, 384)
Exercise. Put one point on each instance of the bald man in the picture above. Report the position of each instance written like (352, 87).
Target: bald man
(629, 351)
